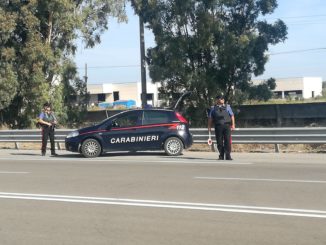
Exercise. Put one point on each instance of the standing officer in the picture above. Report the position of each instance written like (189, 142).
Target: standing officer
(223, 118)
(48, 122)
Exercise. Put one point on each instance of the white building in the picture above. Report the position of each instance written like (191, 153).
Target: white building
(110, 92)
(302, 87)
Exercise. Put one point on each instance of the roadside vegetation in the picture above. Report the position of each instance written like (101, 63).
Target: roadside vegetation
(37, 46)
(200, 46)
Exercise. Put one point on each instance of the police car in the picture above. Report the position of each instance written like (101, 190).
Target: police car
(133, 130)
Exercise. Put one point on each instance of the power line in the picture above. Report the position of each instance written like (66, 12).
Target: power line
(298, 17)
(105, 67)
(305, 23)
(297, 51)
(305, 16)
(301, 20)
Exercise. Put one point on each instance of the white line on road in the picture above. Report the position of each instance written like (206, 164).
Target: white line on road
(265, 180)
(166, 204)
(127, 160)
(7, 172)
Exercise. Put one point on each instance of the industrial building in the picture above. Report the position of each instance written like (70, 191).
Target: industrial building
(299, 87)
(111, 92)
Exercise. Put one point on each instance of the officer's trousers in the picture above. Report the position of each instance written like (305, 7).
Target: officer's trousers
(223, 139)
(46, 133)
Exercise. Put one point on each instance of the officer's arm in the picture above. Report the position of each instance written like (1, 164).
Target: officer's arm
(232, 116)
(210, 120)
(209, 124)
(40, 120)
(233, 122)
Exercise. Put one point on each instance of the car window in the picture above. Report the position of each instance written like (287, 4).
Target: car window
(129, 119)
(155, 117)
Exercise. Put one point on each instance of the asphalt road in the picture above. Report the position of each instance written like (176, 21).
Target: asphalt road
(150, 198)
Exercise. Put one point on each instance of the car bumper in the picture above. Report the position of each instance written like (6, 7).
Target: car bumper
(188, 141)
(72, 144)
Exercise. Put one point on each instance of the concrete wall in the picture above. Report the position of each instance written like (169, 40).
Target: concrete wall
(281, 115)
(286, 115)
(312, 85)
(289, 84)
(127, 91)
(95, 88)
(151, 89)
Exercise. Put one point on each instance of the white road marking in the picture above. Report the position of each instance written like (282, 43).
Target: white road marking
(8, 172)
(127, 160)
(166, 204)
(265, 180)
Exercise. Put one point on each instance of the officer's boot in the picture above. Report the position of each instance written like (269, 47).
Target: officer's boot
(228, 156)
(53, 153)
(221, 156)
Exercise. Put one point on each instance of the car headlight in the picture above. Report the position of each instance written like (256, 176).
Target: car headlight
(73, 134)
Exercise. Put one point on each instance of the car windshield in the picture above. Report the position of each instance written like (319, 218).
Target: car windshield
(111, 117)
(118, 115)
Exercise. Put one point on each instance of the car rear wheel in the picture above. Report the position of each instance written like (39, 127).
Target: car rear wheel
(173, 146)
(91, 148)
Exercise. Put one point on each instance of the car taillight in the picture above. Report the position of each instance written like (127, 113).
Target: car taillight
(180, 118)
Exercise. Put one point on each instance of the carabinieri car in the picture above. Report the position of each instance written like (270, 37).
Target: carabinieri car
(133, 130)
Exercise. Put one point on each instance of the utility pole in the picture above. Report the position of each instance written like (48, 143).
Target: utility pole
(85, 77)
(142, 63)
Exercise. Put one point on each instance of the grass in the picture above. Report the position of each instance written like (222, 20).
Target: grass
(284, 101)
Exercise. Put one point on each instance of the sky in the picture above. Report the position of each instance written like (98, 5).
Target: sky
(303, 54)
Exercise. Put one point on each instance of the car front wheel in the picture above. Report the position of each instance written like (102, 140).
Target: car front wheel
(91, 148)
(173, 146)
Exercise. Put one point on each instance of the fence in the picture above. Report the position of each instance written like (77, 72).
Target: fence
(200, 135)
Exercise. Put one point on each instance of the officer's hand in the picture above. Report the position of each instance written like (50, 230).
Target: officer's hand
(232, 127)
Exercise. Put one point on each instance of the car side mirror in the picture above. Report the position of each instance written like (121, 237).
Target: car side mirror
(114, 124)
(110, 125)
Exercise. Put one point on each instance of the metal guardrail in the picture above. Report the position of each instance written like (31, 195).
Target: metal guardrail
(269, 135)
(31, 136)
(200, 135)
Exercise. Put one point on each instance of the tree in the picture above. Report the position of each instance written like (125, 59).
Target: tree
(206, 46)
(8, 77)
(262, 91)
(40, 36)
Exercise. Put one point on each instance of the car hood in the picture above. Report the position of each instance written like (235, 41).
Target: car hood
(88, 129)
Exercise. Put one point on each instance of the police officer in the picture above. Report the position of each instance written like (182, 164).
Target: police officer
(223, 118)
(48, 122)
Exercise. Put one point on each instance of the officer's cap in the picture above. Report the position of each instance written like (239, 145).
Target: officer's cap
(219, 97)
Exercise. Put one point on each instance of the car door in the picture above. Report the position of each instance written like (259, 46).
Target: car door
(155, 125)
(121, 132)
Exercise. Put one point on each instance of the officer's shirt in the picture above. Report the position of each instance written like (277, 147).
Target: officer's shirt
(228, 109)
(46, 117)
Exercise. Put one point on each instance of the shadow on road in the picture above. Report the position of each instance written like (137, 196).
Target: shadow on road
(25, 154)
(118, 154)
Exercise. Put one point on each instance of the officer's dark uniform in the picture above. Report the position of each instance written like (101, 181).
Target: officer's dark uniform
(221, 116)
(48, 131)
